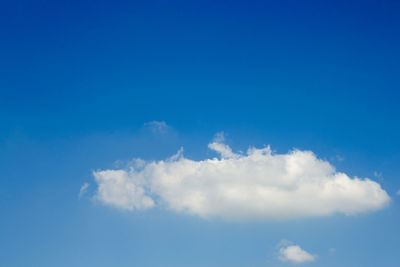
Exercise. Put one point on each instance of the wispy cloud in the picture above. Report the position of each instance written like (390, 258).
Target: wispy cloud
(339, 158)
(378, 175)
(157, 126)
(83, 189)
(258, 185)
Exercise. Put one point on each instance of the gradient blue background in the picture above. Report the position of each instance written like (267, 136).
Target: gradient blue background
(79, 79)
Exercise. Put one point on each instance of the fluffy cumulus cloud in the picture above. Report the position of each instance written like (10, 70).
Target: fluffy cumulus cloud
(295, 254)
(257, 185)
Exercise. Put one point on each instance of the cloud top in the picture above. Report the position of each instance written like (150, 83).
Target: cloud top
(257, 185)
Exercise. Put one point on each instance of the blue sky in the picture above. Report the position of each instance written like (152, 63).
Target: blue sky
(88, 86)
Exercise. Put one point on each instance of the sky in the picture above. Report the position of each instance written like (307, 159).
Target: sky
(199, 133)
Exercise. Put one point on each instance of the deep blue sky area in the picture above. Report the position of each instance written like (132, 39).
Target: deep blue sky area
(80, 80)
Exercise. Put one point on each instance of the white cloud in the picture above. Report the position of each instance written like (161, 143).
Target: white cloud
(157, 126)
(295, 254)
(83, 189)
(398, 192)
(258, 185)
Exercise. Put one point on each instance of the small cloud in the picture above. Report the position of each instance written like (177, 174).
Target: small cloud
(294, 254)
(398, 192)
(83, 189)
(332, 250)
(157, 126)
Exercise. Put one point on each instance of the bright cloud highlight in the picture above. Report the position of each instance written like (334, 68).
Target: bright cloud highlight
(258, 185)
